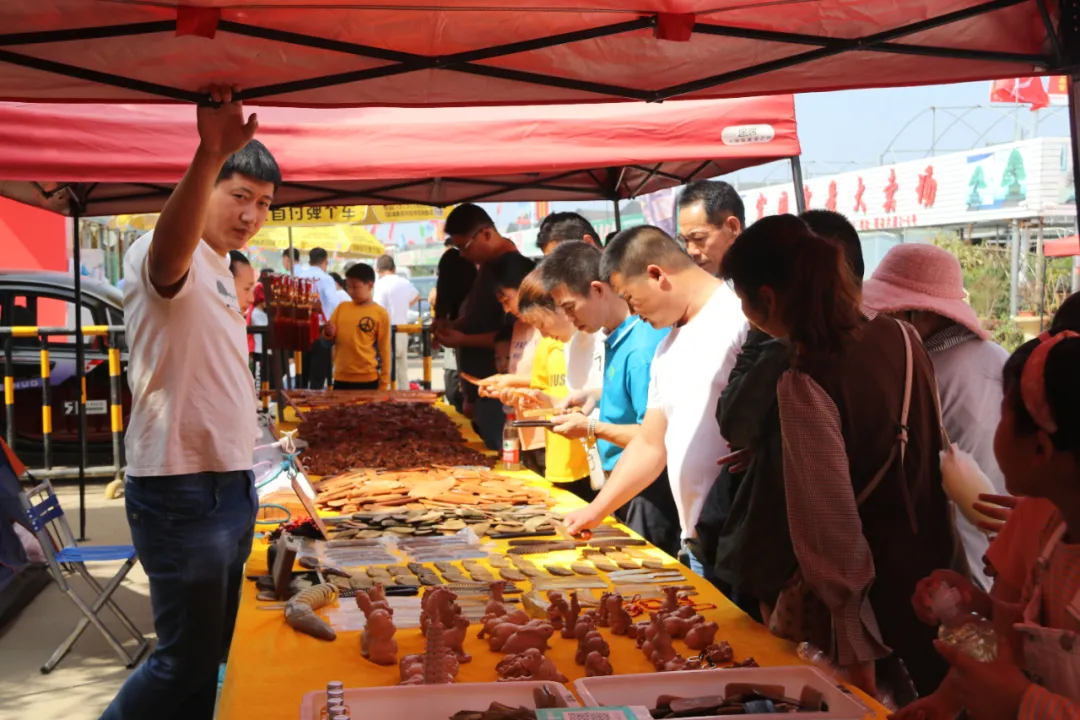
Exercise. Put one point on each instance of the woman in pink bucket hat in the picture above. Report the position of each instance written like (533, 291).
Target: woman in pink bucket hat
(924, 285)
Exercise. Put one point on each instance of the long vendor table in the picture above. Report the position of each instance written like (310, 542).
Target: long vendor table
(271, 666)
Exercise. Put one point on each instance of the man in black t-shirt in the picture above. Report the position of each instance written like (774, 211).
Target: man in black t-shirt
(472, 231)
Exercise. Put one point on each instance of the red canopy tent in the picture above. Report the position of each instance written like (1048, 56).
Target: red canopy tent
(474, 52)
(123, 159)
(1062, 247)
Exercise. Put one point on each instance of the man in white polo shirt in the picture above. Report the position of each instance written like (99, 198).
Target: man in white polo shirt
(662, 284)
(396, 295)
(190, 493)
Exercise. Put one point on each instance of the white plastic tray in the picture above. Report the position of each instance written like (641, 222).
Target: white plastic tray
(621, 690)
(430, 702)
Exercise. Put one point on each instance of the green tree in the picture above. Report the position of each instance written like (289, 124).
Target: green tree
(1014, 175)
(976, 183)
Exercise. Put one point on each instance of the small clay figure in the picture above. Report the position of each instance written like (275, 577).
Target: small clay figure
(528, 665)
(557, 610)
(378, 598)
(591, 642)
(596, 665)
(454, 637)
(660, 650)
(671, 599)
(377, 642)
(571, 616)
(496, 607)
(678, 627)
(300, 611)
(701, 635)
(719, 653)
(618, 619)
(535, 634)
(517, 616)
(437, 665)
(602, 612)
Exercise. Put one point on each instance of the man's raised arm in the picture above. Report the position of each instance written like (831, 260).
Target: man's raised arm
(222, 132)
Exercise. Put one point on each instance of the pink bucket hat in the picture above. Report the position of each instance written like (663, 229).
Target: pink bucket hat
(914, 276)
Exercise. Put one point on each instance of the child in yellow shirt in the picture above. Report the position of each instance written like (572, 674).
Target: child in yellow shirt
(360, 330)
(567, 462)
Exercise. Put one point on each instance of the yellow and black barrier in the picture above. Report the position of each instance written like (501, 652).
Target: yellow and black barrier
(424, 331)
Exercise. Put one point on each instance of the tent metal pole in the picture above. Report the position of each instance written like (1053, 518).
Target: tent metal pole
(80, 363)
(1074, 131)
(618, 216)
(797, 179)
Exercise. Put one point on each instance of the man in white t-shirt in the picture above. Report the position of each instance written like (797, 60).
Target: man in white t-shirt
(396, 295)
(666, 288)
(190, 492)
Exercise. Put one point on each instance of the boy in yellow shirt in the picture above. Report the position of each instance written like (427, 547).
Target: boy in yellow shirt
(361, 333)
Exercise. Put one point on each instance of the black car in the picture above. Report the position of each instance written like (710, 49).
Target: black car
(47, 299)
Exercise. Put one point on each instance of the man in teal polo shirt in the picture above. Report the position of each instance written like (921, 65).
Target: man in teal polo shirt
(572, 275)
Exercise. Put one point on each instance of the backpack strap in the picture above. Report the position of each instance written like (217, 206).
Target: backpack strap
(900, 446)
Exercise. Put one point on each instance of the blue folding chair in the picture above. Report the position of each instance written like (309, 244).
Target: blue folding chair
(65, 556)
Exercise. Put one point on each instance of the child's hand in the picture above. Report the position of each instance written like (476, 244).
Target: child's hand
(936, 706)
(998, 507)
(972, 598)
(330, 331)
(989, 691)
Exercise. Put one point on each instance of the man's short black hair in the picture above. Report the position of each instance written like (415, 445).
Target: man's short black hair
(834, 226)
(719, 198)
(253, 161)
(295, 254)
(573, 264)
(562, 226)
(361, 272)
(236, 259)
(317, 256)
(385, 263)
(509, 269)
(632, 251)
(467, 219)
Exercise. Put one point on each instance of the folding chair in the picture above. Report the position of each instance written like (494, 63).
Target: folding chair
(65, 556)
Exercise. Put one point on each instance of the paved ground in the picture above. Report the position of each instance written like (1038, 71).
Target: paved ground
(86, 680)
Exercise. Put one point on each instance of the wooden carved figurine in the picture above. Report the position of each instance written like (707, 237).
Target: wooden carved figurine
(597, 665)
(529, 665)
(513, 639)
(618, 619)
(701, 635)
(602, 612)
(377, 642)
(570, 618)
(557, 610)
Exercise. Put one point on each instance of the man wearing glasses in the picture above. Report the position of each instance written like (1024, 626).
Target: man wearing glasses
(711, 216)
(472, 231)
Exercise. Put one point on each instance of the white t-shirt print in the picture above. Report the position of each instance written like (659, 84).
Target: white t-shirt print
(193, 399)
(689, 371)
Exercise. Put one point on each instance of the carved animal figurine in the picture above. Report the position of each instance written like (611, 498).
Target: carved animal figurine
(377, 642)
(618, 619)
(517, 616)
(671, 599)
(557, 610)
(591, 642)
(602, 612)
(701, 635)
(434, 598)
(678, 627)
(719, 653)
(637, 632)
(533, 635)
(300, 611)
(570, 617)
(529, 665)
(539, 667)
(597, 665)
(661, 651)
(496, 607)
(454, 637)
(378, 598)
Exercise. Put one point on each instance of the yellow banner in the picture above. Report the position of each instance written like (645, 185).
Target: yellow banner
(351, 239)
(352, 214)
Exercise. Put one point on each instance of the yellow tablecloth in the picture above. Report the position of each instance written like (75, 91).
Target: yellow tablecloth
(271, 666)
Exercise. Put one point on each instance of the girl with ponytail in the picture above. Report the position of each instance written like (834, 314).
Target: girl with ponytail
(860, 436)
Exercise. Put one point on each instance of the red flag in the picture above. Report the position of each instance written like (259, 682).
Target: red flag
(1026, 91)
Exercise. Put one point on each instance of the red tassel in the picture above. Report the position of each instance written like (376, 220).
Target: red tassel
(198, 21)
(674, 27)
